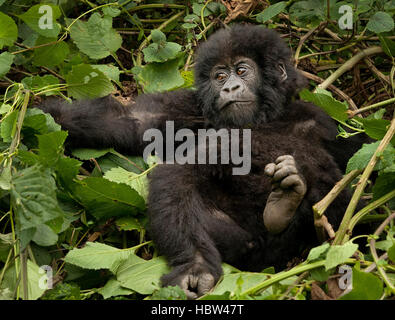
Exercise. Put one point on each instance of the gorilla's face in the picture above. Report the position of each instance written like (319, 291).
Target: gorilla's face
(244, 76)
(234, 83)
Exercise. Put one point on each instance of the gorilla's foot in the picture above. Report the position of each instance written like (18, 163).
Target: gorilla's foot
(288, 190)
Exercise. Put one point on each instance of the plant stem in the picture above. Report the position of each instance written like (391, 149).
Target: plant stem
(373, 106)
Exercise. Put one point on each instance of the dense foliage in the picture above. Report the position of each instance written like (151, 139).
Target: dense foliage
(81, 215)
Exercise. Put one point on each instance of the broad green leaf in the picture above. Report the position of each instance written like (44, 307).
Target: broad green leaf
(113, 288)
(85, 82)
(33, 196)
(51, 147)
(230, 282)
(128, 224)
(361, 158)
(6, 60)
(52, 55)
(63, 291)
(383, 184)
(8, 31)
(142, 276)
(38, 82)
(365, 286)
(8, 126)
(157, 77)
(376, 128)
(161, 53)
(320, 274)
(109, 70)
(169, 293)
(104, 198)
(339, 254)
(86, 153)
(271, 11)
(36, 281)
(42, 19)
(138, 182)
(96, 37)
(35, 119)
(158, 36)
(388, 46)
(380, 22)
(391, 253)
(6, 243)
(336, 109)
(317, 252)
(97, 255)
(111, 11)
(45, 236)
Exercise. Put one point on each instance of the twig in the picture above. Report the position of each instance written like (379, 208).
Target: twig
(373, 106)
(372, 244)
(349, 64)
(331, 87)
(362, 183)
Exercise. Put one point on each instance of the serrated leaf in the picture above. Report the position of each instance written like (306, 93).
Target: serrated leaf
(376, 128)
(85, 82)
(51, 55)
(380, 22)
(339, 254)
(246, 281)
(142, 276)
(271, 11)
(138, 182)
(317, 252)
(158, 77)
(331, 106)
(361, 158)
(33, 195)
(6, 60)
(113, 288)
(158, 36)
(383, 184)
(8, 125)
(97, 256)
(87, 153)
(42, 19)
(51, 147)
(110, 71)
(96, 37)
(104, 198)
(365, 286)
(8, 31)
(169, 293)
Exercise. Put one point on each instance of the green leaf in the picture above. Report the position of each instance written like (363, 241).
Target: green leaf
(8, 31)
(230, 282)
(38, 83)
(158, 77)
(52, 55)
(142, 276)
(104, 199)
(129, 224)
(6, 60)
(271, 11)
(96, 37)
(380, 22)
(51, 147)
(138, 182)
(391, 253)
(158, 36)
(35, 281)
(85, 82)
(45, 236)
(109, 70)
(97, 255)
(161, 53)
(361, 158)
(388, 46)
(336, 109)
(339, 254)
(169, 293)
(33, 196)
(365, 286)
(41, 18)
(8, 126)
(383, 184)
(376, 128)
(113, 288)
(320, 274)
(317, 252)
(86, 153)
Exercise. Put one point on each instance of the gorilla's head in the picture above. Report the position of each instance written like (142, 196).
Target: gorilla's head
(244, 76)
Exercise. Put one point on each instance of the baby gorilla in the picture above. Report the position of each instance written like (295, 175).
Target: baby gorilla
(202, 214)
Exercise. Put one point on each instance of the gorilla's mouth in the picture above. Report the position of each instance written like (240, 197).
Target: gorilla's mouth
(234, 102)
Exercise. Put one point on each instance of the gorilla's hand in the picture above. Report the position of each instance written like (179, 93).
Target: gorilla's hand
(288, 190)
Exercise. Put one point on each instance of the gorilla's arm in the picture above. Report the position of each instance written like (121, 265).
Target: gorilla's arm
(105, 122)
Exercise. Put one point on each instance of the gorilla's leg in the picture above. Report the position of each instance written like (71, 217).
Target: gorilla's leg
(288, 190)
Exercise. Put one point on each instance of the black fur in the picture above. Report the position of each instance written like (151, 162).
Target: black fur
(201, 215)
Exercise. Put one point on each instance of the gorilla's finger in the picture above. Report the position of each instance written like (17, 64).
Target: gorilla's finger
(282, 173)
(270, 169)
(284, 157)
(206, 283)
(294, 181)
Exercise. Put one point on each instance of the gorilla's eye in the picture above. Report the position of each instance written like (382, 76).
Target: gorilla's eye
(220, 76)
(240, 70)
